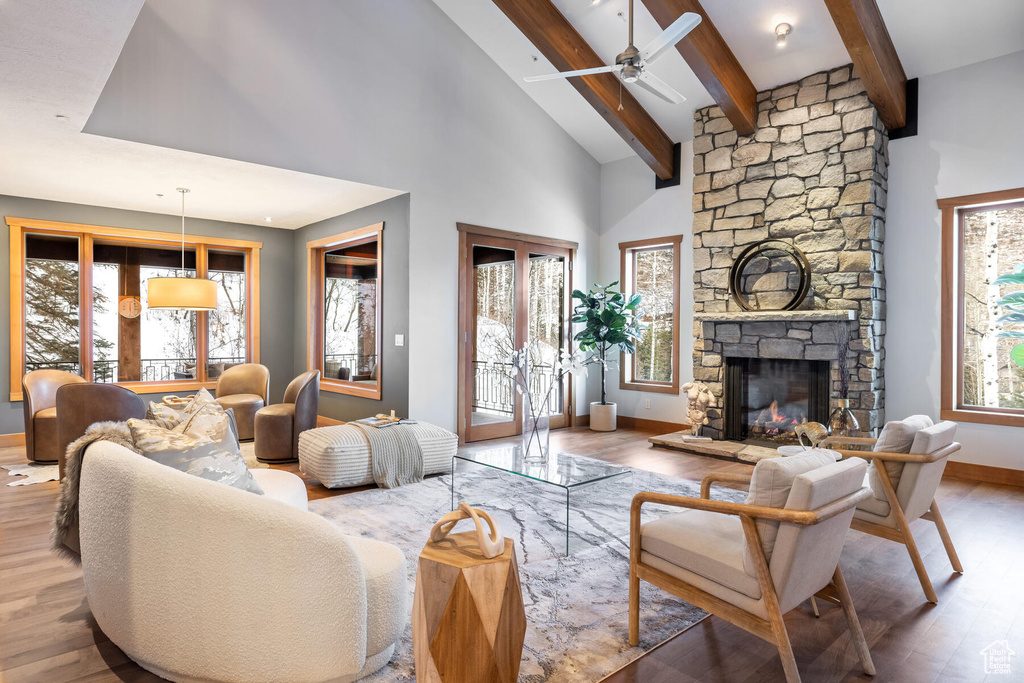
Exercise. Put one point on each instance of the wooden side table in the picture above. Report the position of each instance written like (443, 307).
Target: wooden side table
(468, 621)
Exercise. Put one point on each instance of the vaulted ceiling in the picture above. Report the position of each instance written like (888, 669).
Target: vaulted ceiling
(929, 35)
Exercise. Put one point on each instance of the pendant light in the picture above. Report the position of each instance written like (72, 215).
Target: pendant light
(182, 293)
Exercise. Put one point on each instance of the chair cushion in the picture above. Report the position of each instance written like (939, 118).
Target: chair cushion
(770, 486)
(277, 409)
(934, 438)
(705, 543)
(283, 486)
(897, 437)
(872, 504)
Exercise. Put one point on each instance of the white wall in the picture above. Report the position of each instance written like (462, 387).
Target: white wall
(388, 93)
(970, 140)
(631, 209)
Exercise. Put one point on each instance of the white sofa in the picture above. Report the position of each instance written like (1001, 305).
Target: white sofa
(198, 581)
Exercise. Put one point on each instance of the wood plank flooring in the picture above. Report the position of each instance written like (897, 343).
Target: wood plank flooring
(47, 632)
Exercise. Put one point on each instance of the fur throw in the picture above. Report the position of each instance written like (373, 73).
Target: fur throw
(64, 538)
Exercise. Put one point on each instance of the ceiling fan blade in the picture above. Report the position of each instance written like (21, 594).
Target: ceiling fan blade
(669, 37)
(653, 84)
(580, 72)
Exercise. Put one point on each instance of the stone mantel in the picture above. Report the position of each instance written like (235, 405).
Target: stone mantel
(816, 316)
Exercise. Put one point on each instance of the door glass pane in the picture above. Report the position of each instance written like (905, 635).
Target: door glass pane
(227, 325)
(654, 280)
(168, 338)
(52, 333)
(547, 316)
(493, 334)
(993, 245)
(350, 313)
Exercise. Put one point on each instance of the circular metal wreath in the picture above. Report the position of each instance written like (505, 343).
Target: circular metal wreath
(758, 248)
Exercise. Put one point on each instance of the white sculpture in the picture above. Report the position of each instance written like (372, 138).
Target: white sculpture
(491, 546)
(700, 397)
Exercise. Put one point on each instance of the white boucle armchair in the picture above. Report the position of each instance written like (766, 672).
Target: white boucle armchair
(198, 581)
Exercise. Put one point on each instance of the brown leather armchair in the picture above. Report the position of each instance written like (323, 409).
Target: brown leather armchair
(40, 403)
(278, 426)
(81, 405)
(245, 389)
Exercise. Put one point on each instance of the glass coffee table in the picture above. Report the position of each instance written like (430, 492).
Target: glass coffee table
(564, 470)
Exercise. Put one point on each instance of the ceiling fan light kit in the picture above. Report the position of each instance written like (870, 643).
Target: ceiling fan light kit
(631, 64)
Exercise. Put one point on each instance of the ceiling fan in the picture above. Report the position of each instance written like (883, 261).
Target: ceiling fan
(631, 65)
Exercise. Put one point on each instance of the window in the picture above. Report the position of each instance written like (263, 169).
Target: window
(651, 268)
(983, 239)
(68, 281)
(345, 296)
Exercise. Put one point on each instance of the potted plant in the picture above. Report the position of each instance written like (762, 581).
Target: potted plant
(610, 321)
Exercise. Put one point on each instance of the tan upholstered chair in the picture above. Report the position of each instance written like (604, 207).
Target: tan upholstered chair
(278, 426)
(750, 563)
(79, 405)
(245, 389)
(906, 467)
(40, 403)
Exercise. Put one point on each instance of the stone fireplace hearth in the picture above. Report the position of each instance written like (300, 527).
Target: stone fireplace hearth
(813, 174)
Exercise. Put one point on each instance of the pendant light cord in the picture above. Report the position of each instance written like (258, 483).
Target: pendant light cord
(183, 231)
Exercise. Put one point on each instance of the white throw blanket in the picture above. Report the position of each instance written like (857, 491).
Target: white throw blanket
(395, 454)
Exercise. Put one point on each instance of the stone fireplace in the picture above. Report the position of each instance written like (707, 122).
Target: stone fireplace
(766, 398)
(814, 174)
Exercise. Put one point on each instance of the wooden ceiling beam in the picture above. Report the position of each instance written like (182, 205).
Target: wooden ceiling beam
(874, 56)
(713, 62)
(552, 34)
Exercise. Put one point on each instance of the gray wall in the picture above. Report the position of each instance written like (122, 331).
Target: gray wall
(277, 275)
(395, 272)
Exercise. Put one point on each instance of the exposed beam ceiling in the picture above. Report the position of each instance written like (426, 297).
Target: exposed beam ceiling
(867, 39)
(713, 62)
(552, 34)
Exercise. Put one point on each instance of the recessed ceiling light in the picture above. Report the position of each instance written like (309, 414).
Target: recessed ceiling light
(159, 194)
(781, 31)
(60, 117)
(269, 219)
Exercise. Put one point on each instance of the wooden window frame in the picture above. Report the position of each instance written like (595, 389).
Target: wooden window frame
(315, 251)
(951, 406)
(87, 235)
(627, 250)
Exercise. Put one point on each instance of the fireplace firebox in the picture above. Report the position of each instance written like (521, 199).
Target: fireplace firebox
(766, 398)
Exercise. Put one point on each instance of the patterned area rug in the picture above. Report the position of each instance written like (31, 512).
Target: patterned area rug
(33, 473)
(576, 606)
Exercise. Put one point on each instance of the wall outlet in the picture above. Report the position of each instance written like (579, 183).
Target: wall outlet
(399, 340)
(647, 403)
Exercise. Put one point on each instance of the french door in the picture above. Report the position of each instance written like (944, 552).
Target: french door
(514, 293)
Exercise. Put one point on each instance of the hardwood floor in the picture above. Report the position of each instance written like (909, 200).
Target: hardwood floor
(47, 632)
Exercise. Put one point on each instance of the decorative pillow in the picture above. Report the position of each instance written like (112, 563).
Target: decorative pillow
(163, 415)
(202, 397)
(896, 437)
(203, 446)
(770, 486)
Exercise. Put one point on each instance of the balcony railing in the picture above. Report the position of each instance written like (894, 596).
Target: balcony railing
(152, 369)
(494, 386)
(357, 364)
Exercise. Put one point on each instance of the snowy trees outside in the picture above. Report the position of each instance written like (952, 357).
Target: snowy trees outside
(993, 244)
(654, 279)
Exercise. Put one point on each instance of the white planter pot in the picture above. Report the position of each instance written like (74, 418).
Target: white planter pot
(602, 417)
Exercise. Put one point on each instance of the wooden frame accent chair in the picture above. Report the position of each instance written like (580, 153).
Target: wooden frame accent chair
(907, 462)
(750, 563)
(39, 388)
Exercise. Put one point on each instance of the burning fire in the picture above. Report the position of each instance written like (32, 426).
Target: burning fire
(772, 423)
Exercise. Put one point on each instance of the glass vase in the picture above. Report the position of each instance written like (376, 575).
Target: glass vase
(536, 429)
(842, 421)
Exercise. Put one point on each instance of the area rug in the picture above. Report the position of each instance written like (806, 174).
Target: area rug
(248, 449)
(33, 473)
(576, 605)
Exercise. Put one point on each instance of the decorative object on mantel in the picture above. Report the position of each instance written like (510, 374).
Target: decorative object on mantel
(699, 398)
(468, 617)
(761, 250)
(610, 320)
(842, 421)
(491, 545)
